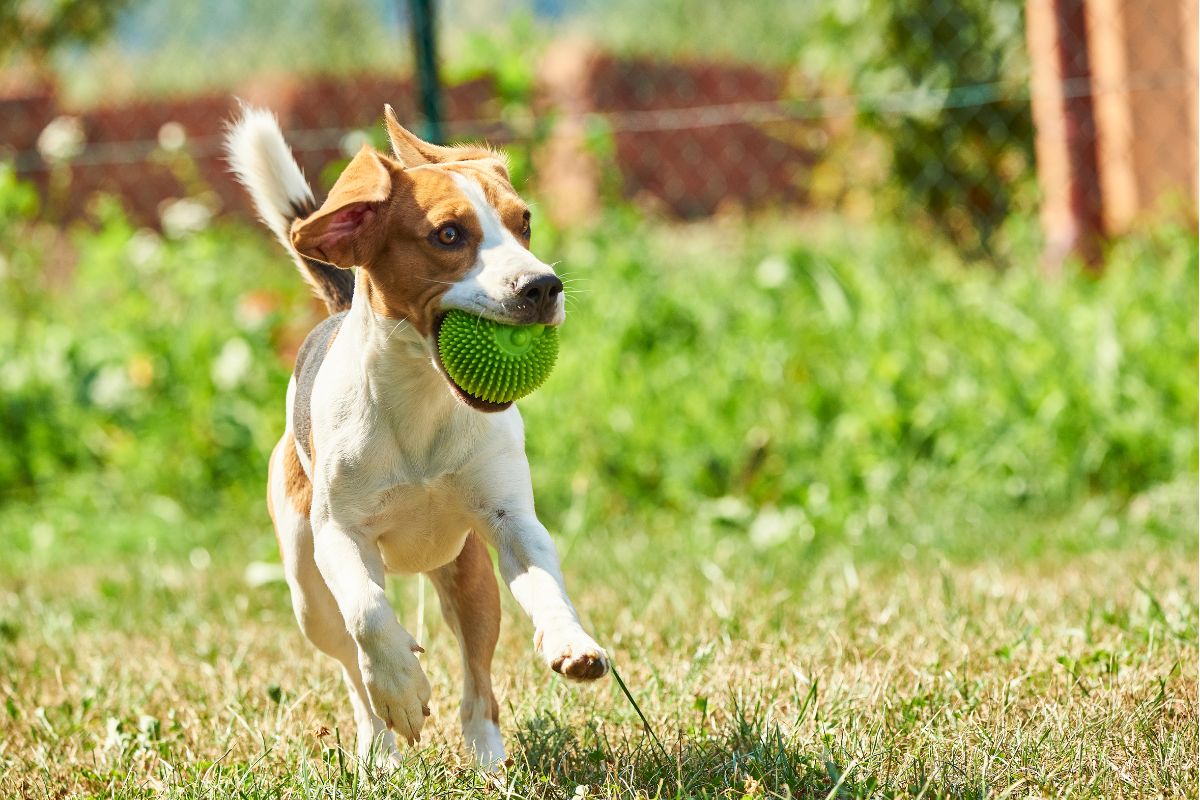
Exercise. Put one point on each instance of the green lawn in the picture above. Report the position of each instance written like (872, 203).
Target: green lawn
(853, 519)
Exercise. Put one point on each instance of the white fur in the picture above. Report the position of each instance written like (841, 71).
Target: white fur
(262, 162)
(484, 740)
(402, 472)
(501, 259)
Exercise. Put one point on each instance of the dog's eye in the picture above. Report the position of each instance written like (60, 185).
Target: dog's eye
(448, 235)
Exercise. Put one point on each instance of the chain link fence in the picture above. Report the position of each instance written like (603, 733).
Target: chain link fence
(959, 116)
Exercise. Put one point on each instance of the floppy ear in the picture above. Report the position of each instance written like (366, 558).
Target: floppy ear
(410, 149)
(347, 229)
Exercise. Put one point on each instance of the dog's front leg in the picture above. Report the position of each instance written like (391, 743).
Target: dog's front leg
(396, 685)
(529, 564)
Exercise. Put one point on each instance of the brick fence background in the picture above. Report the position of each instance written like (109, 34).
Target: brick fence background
(129, 149)
(1112, 92)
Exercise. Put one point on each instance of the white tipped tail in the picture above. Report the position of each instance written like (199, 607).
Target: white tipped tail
(262, 162)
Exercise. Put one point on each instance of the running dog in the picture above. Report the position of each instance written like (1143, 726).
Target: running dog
(385, 465)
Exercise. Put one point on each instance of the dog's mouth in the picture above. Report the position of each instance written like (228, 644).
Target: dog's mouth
(477, 403)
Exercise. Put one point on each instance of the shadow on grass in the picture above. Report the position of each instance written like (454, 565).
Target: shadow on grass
(747, 756)
(750, 756)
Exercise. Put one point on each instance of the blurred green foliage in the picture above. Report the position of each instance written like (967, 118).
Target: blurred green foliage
(963, 146)
(831, 369)
(36, 28)
(943, 133)
(824, 378)
(172, 46)
(133, 370)
(508, 59)
(940, 87)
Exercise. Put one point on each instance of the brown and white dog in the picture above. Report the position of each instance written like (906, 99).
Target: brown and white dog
(386, 466)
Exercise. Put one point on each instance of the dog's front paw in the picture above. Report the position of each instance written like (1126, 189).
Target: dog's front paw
(397, 687)
(572, 653)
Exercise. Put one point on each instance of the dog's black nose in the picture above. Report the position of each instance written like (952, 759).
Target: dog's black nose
(542, 292)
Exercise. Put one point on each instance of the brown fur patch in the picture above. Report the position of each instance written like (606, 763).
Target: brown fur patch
(411, 151)
(470, 602)
(493, 180)
(410, 274)
(381, 215)
(348, 229)
(296, 484)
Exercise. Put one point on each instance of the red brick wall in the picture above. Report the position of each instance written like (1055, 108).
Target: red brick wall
(687, 165)
(695, 161)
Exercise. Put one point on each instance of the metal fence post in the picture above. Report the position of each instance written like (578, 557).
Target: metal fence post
(421, 17)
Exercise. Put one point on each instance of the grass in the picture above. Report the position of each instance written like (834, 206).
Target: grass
(850, 679)
(853, 520)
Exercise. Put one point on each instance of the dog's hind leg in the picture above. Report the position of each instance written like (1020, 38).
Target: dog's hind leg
(288, 500)
(470, 603)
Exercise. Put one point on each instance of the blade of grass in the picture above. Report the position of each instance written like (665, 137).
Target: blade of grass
(636, 708)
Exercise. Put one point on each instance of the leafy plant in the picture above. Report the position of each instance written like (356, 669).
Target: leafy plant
(142, 364)
(943, 84)
(771, 385)
(508, 59)
(36, 29)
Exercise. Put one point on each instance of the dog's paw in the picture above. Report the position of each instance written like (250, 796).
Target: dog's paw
(572, 654)
(484, 744)
(397, 687)
(378, 753)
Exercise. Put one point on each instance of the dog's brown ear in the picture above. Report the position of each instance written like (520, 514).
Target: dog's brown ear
(347, 230)
(410, 149)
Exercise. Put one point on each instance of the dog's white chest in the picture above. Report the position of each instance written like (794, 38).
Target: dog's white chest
(420, 528)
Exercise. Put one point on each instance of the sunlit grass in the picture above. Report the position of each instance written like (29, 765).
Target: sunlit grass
(951, 680)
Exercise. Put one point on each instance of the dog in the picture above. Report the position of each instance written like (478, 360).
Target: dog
(386, 466)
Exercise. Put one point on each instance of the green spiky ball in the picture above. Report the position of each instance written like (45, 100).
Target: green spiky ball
(494, 362)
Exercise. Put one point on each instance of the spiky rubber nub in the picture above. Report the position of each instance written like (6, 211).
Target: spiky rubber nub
(494, 362)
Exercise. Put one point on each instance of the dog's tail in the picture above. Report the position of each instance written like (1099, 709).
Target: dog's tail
(263, 163)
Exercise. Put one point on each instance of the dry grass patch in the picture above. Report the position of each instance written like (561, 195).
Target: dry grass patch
(1051, 679)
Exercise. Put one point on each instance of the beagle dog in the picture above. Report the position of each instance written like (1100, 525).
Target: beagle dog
(385, 465)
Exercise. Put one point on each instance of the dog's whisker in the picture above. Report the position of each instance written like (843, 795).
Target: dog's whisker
(393, 330)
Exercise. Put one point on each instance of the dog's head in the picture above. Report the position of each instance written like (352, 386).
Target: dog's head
(434, 229)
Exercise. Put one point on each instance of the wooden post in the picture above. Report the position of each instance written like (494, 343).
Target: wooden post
(568, 175)
(1068, 172)
(1144, 76)
(1115, 105)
